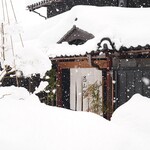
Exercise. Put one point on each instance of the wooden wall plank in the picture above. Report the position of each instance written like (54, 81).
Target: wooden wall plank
(103, 64)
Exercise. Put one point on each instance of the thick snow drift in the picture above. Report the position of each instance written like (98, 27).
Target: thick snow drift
(134, 115)
(27, 124)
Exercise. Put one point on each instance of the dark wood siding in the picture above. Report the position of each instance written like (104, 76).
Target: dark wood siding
(66, 88)
(130, 81)
(131, 76)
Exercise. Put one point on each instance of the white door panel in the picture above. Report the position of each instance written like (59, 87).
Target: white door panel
(80, 79)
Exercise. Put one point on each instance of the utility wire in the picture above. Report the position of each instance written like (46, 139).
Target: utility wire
(13, 11)
(16, 21)
(7, 12)
(3, 10)
(11, 39)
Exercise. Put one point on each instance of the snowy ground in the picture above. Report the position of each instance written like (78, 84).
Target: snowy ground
(27, 124)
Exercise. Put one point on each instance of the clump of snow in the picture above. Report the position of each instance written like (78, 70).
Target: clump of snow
(146, 81)
(10, 93)
(41, 87)
(30, 125)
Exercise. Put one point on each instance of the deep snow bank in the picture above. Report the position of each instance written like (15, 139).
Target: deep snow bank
(26, 124)
(134, 115)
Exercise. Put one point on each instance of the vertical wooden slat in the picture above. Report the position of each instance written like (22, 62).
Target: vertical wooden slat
(59, 87)
(104, 75)
(122, 87)
(115, 89)
(66, 88)
(145, 81)
(76, 96)
(81, 96)
(138, 81)
(109, 95)
(130, 84)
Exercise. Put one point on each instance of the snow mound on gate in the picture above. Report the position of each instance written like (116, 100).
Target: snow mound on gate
(12, 93)
(134, 115)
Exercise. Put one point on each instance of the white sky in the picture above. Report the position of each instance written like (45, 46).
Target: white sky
(24, 17)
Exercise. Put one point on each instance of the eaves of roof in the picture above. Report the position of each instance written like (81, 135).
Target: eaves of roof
(39, 4)
(101, 54)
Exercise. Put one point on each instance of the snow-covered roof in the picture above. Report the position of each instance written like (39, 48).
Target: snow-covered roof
(124, 26)
(76, 33)
(35, 4)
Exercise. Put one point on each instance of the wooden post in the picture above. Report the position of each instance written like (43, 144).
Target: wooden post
(59, 86)
(3, 41)
(76, 96)
(109, 90)
(109, 95)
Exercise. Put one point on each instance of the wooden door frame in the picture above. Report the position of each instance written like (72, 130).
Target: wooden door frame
(83, 62)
